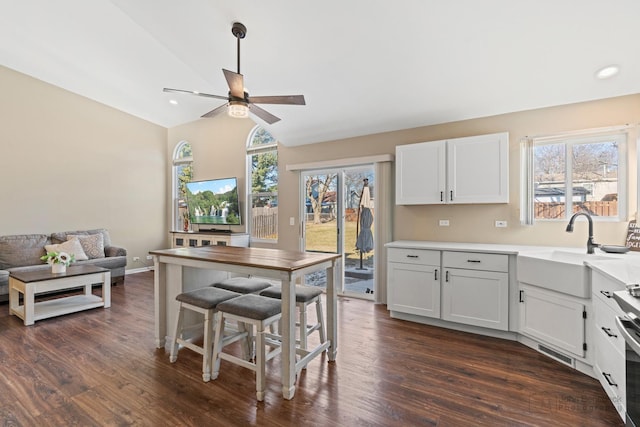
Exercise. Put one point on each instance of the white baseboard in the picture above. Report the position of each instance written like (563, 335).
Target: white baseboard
(138, 270)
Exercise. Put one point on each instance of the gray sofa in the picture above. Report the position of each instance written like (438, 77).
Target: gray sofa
(22, 253)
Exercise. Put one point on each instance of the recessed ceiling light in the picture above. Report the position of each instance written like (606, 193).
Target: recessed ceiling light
(173, 102)
(608, 71)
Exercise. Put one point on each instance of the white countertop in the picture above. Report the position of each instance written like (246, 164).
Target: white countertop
(465, 247)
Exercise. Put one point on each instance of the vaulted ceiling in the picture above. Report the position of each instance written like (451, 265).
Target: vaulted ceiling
(364, 66)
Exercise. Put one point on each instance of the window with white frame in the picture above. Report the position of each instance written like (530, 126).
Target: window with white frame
(262, 171)
(565, 174)
(182, 173)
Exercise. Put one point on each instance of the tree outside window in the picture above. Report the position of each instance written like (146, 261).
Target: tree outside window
(182, 173)
(262, 156)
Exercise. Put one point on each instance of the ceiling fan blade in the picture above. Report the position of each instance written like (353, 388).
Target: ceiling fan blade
(263, 114)
(284, 99)
(235, 82)
(216, 111)
(193, 92)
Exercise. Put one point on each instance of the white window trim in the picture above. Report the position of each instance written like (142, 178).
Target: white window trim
(527, 144)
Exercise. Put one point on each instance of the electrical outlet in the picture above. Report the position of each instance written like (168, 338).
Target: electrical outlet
(292, 221)
(136, 258)
(443, 223)
(149, 257)
(501, 224)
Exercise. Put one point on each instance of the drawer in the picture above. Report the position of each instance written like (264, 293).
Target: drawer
(603, 288)
(413, 256)
(609, 368)
(606, 325)
(476, 261)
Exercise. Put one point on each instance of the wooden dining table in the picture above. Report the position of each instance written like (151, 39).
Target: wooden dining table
(288, 267)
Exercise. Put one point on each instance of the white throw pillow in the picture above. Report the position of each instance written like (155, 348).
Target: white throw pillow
(92, 244)
(71, 246)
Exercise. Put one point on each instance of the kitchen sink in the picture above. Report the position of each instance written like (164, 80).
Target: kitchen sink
(558, 270)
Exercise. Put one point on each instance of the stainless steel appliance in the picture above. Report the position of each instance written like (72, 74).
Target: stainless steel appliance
(629, 327)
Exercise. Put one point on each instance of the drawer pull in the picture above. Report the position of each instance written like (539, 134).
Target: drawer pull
(474, 260)
(446, 276)
(442, 196)
(608, 378)
(608, 332)
(607, 294)
(435, 275)
(412, 256)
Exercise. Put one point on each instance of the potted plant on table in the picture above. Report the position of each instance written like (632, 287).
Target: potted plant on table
(59, 261)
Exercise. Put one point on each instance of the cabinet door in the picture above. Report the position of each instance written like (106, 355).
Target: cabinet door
(478, 169)
(553, 319)
(420, 173)
(414, 289)
(479, 298)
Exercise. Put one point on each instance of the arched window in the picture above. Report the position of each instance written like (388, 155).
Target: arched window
(262, 171)
(182, 173)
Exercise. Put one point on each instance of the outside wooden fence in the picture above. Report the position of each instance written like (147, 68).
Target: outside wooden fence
(551, 210)
(264, 223)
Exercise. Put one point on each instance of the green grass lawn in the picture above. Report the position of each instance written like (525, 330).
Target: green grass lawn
(322, 238)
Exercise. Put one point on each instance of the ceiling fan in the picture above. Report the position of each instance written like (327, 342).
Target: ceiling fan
(238, 101)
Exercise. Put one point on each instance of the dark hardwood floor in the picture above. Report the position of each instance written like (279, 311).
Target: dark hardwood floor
(100, 367)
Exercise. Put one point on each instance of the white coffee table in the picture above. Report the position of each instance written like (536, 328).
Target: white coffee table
(31, 283)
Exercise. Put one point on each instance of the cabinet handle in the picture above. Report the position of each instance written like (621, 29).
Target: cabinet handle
(606, 294)
(608, 332)
(608, 378)
(474, 260)
(442, 196)
(521, 297)
(412, 256)
(451, 195)
(446, 276)
(435, 275)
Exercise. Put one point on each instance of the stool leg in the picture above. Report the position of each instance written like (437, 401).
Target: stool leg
(320, 316)
(217, 344)
(206, 353)
(177, 331)
(302, 308)
(260, 362)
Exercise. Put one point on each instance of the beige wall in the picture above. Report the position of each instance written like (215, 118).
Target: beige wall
(475, 223)
(219, 150)
(219, 147)
(70, 163)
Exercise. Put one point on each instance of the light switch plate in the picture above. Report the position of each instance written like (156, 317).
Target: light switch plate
(501, 224)
(443, 223)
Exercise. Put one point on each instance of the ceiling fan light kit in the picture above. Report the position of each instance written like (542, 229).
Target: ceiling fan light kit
(238, 101)
(238, 110)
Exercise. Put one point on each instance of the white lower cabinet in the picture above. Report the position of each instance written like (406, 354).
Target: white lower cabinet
(414, 282)
(475, 289)
(553, 318)
(609, 362)
(463, 287)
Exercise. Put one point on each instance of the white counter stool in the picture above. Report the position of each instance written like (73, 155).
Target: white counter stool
(204, 301)
(243, 285)
(251, 311)
(305, 295)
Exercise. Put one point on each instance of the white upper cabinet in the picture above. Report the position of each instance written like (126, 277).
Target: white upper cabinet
(420, 173)
(473, 169)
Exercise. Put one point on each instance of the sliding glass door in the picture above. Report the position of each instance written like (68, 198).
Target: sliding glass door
(337, 209)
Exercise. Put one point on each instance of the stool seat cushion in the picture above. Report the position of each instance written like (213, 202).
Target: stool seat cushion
(243, 285)
(206, 298)
(251, 306)
(303, 293)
